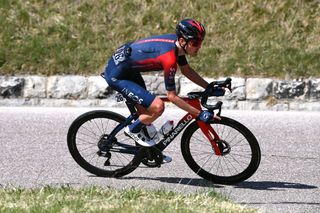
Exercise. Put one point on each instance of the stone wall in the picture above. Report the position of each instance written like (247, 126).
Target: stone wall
(248, 93)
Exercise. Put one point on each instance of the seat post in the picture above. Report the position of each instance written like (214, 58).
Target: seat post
(132, 109)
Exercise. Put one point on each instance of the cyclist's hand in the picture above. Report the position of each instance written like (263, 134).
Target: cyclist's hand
(205, 116)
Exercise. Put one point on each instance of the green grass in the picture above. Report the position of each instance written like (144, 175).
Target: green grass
(244, 38)
(94, 199)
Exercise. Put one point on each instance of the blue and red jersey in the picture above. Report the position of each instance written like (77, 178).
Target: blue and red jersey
(154, 54)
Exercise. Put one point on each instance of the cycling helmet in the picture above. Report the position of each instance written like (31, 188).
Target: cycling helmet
(190, 29)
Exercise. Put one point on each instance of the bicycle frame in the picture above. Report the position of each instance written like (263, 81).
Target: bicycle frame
(207, 130)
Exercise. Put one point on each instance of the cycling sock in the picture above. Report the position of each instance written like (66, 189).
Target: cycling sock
(136, 126)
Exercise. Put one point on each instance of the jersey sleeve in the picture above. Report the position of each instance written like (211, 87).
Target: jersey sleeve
(182, 60)
(169, 64)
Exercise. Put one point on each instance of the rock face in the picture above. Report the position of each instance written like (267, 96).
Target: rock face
(11, 87)
(35, 87)
(67, 87)
(249, 94)
(238, 89)
(98, 88)
(315, 89)
(258, 88)
(289, 90)
(155, 84)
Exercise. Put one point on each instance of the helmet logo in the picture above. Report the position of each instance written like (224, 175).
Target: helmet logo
(197, 25)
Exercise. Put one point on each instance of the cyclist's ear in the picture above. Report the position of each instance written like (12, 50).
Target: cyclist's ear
(182, 41)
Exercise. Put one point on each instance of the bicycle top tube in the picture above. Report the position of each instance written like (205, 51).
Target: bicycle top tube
(193, 102)
(188, 98)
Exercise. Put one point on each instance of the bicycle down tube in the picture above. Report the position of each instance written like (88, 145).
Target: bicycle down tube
(205, 128)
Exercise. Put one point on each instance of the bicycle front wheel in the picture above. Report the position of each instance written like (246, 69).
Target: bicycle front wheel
(241, 157)
(93, 128)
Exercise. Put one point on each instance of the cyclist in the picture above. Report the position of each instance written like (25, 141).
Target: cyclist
(163, 52)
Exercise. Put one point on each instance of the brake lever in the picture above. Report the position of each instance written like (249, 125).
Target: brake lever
(229, 87)
(218, 106)
(225, 84)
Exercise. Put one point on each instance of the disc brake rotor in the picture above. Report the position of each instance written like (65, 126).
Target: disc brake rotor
(224, 147)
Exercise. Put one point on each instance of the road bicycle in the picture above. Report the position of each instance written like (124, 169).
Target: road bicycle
(222, 151)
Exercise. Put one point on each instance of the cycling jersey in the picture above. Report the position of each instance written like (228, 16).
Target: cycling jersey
(149, 54)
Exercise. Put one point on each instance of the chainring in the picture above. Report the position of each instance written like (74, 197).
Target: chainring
(153, 157)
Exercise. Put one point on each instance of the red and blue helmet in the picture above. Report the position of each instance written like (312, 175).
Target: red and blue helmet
(190, 29)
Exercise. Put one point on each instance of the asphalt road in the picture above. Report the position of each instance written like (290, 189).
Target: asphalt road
(34, 153)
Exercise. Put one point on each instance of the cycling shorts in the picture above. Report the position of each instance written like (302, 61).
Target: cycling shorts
(128, 82)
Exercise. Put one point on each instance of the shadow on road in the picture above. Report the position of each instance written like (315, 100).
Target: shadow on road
(184, 181)
(270, 185)
(281, 203)
(255, 185)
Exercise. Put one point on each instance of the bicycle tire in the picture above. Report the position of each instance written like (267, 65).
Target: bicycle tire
(207, 164)
(88, 126)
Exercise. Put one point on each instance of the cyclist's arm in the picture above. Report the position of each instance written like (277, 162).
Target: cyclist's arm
(193, 76)
(172, 96)
(168, 62)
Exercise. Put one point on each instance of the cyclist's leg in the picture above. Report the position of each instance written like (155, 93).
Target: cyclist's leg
(131, 85)
(139, 80)
(146, 113)
(153, 112)
(123, 80)
(155, 109)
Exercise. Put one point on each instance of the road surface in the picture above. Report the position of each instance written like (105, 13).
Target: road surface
(34, 153)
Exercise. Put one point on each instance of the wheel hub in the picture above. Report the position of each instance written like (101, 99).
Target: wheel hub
(104, 144)
(224, 147)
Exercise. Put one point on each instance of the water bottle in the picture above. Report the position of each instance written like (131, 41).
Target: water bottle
(166, 128)
(152, 132)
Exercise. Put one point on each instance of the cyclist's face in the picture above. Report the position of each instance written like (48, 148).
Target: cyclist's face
(193, 47)
(195, 43)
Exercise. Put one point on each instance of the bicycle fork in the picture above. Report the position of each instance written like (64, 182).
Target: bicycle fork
(208, 131)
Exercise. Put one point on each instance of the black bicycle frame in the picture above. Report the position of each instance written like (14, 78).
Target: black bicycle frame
(182, 124)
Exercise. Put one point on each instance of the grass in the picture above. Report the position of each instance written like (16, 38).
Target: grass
(245, 38)
(94, 199)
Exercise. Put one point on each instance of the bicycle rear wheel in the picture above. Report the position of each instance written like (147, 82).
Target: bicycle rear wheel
(240, 160)
(92, 128)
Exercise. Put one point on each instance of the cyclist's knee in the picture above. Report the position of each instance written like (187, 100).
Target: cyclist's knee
(157, 107)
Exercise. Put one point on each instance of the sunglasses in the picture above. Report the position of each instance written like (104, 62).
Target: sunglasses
(196, 43)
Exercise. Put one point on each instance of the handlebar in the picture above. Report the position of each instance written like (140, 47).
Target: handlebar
(209, 93)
